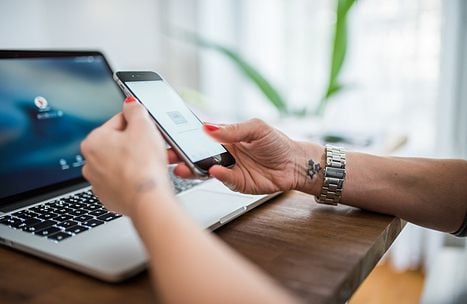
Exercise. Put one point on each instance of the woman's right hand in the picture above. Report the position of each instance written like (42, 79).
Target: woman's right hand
(267, 161)
(126, 159)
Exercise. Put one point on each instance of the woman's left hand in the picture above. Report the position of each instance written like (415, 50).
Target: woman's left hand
(126, 158)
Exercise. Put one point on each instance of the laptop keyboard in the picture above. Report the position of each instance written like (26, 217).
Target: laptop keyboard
(180, 184)
(62, 218)
(72, 215)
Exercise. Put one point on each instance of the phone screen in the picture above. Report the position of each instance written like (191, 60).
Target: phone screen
(170, 111)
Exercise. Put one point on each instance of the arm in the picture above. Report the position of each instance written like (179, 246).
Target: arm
(427, 192)
(188, 264)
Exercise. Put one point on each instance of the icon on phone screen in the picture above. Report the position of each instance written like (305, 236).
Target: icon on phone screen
(177, 117)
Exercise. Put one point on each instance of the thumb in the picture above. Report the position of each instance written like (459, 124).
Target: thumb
(135, 114)
(239, 132)
(226, 176)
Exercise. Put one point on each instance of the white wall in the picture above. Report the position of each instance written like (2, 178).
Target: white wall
(128, 31)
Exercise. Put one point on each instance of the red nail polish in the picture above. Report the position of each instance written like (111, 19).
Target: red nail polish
(130, 99)
(210, 127)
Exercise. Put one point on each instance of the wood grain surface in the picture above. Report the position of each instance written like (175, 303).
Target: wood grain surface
(320, 253)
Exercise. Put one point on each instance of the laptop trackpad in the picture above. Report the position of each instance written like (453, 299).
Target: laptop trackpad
(208, 208)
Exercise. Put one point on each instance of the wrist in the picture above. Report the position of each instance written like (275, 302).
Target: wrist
(151, 208)
(156, 215)
(305, 152)
(149, 192)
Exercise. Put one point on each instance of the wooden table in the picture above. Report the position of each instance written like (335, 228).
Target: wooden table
(320, 253)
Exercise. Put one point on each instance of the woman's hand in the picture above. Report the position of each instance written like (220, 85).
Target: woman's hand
(267, 160)
(126, 158)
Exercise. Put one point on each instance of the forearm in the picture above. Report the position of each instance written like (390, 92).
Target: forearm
(190, 265)
(427, 192)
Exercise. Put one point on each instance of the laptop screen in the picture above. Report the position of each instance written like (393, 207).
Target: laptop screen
(48, 105)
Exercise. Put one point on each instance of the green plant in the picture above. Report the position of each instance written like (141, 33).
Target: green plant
(268, 90)
(338, 53)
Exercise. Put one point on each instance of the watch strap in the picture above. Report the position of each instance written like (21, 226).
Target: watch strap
(334, 175)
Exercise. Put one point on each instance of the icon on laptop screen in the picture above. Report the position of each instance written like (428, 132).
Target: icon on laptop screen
(41, 103)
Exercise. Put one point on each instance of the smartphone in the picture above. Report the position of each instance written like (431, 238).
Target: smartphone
(179, 126)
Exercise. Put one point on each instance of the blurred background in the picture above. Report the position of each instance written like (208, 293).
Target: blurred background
(386, 76)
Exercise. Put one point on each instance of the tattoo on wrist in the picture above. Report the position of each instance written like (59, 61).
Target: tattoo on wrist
(313, 168)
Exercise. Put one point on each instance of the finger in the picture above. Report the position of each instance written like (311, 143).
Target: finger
(172, 156)
(239, 132)
(226, 176)
(182, 170)
(86, 172)
(136, 116)
(89, 145)
(117, 122)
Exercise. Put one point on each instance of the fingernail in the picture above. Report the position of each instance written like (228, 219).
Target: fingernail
(130, 99)
(211, 127)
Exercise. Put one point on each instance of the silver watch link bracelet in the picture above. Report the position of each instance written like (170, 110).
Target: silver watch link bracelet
(334, 175)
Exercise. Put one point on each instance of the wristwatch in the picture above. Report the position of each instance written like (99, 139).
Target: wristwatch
(334, 175)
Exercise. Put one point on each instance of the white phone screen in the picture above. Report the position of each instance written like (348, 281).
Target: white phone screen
(170, 111)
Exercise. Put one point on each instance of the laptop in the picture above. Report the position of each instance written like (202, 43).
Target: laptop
(49, 102)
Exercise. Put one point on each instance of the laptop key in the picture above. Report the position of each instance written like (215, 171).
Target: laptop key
(27, 223)
(92, 207)
(31, 213)
(56, 205)
(108, 216)
(93, 201)
(67, 200)
(23, 216)
(98, 212)
(64, 204)
(77, 229)
(31, 222)
(63, 217)
(11, 219)
(67, 224)
(41, 209)
(92, 223)
(20, 212)
(47, 231)
(62, 210)
(59, 236)
(77, 212)
(84, 200)
(50, 204)
(15, 223)
(77, 205)
(40, 226)
(82, 218)
(47, 216)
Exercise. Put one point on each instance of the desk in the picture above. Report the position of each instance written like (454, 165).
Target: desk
(320, 253)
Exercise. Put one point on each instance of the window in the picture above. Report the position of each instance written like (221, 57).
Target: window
(391, 74)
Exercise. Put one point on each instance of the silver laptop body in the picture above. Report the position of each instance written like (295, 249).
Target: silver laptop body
(113, 251)
(101, 244)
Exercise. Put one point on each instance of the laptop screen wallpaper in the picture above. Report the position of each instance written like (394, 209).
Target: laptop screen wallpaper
(47, 107)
